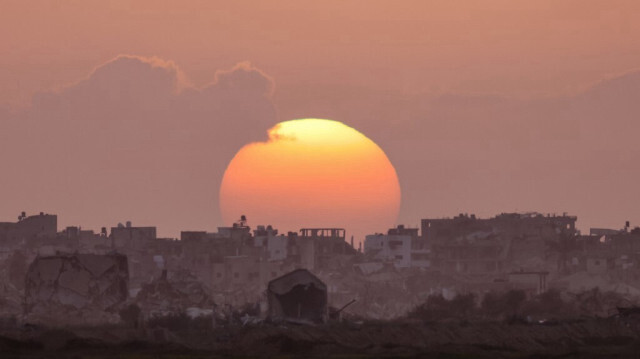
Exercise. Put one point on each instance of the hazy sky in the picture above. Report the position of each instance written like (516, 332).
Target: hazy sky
(482, 106)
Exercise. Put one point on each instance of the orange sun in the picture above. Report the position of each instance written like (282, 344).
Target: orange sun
(312, 173)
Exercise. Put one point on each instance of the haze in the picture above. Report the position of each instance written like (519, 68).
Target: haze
(117, 110)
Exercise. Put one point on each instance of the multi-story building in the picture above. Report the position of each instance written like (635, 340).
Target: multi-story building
(400, 245)
(509, 241)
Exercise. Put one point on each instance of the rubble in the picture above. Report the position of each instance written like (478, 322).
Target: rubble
(179, 294)
(76, 288)
(10, 300)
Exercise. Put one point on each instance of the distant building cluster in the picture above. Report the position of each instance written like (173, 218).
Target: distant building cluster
(234, 265)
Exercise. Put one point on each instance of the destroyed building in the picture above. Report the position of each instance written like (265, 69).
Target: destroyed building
(298, 296)
(509, 241)
(172, 294)
(76, 288)
(235, 265)
(606, 253)
(322, 248)
(479, 253)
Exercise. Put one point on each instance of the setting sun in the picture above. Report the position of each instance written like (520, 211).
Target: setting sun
(312, 172)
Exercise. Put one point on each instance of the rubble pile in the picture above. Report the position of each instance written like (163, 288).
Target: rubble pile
(76, 288)
(10, 300)
(385, 294)
(12, 273)
(175, 295)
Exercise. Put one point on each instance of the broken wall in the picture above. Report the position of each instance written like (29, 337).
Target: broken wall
(76, 288)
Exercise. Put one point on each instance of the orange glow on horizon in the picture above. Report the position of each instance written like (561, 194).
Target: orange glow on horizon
(312, 173)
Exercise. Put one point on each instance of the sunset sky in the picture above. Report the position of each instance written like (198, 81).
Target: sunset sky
(312, 173)
(131, 110)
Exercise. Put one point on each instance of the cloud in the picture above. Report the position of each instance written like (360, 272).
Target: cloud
(134, 141)
(243, 77)
(490, 153)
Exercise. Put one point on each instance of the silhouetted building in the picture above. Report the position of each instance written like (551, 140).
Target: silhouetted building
(132, 237)
(298, 296)
(28, 228)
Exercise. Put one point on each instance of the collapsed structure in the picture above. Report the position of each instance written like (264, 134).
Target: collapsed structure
(298, 296)
(172, 295)
(76, 288)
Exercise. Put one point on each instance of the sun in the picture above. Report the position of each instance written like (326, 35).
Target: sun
(312, 173)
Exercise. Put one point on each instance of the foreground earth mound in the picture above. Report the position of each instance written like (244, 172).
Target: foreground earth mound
(590, 338)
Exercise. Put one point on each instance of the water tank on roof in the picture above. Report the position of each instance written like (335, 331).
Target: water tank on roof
(128, 224)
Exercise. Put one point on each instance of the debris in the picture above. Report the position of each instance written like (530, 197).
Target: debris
(336, 314)
(164, 296)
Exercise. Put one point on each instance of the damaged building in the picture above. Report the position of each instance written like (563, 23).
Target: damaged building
(172, 295)
(237, 265)
(76, 288)
(509, 241)
(298, 296)
(322, 248)
(401, 246)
